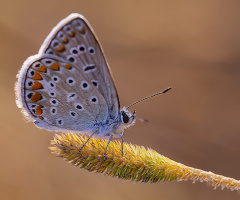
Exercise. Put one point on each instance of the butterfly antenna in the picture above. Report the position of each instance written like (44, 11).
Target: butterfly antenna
(164, 91)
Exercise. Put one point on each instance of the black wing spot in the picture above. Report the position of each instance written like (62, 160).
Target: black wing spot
(95, 83)
(85, 85)
(81, 48)
(74, 51)
(52, 94)
(94, 100)
(78, 106)
(88, 68)
(53, 110)
(29, 95)
(52, 84)
(54, 102)
(91, 50)
(71, 59)
(56, 79)
(60, 122)
(49, 51)
(73, 114)
(37, 65)
(70, 81)
(55, 44)
(30, 83)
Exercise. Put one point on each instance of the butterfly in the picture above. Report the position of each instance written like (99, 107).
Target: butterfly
(68, 85)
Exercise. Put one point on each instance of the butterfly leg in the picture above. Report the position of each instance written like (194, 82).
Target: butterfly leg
(121, 136)
(110, 137)
(86, 142)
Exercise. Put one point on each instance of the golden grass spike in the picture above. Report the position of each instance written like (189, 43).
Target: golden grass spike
(137, 164)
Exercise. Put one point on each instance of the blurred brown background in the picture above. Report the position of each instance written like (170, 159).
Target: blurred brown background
(193, 46)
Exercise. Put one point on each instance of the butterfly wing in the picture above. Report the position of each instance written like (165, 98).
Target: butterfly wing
(57, 95)
(73, 39)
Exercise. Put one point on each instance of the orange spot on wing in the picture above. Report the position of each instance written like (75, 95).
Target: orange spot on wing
(36, 97)
(65, 40)
(72, 34)
(39, 110)
(82, 31)
(40, 117)
(36, 85)
(68, 66)
(60, 48)
(36, 76)
(42, 69)
(54, 66)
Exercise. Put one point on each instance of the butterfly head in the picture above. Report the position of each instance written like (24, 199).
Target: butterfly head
(126, 119)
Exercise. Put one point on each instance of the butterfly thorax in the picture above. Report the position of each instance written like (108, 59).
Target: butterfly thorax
(124, 120)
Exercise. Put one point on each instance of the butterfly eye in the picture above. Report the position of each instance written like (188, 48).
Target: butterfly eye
(124, 117)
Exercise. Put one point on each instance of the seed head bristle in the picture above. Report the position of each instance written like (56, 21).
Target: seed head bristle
(137, 163)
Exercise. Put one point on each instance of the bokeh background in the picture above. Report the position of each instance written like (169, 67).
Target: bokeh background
(193, 46)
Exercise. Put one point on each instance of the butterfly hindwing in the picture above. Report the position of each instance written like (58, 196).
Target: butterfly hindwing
(57, 95)
(73, 39)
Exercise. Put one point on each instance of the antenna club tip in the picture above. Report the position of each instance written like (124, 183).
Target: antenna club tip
(167, 90)
(150, 97)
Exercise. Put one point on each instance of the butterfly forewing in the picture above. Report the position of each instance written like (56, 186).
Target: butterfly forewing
(73, 39)
(59, 96)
